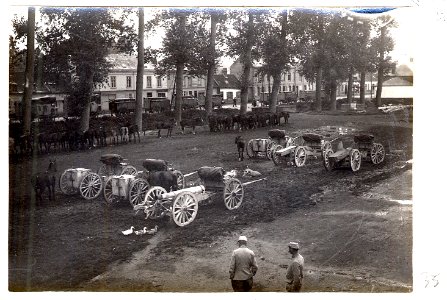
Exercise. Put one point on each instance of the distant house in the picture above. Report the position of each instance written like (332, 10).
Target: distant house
(399, 85)
(227, 85)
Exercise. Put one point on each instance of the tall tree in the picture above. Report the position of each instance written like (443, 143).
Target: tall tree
(383, 44)
(29, 71)
(275, 53)
(214, 18)
(77, 42)
(242, 44)
(140, 70)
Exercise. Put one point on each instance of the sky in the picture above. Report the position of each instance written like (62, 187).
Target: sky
(402, 34)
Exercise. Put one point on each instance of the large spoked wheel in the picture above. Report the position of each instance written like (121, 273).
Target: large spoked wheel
(327, 162)
(300, 157)
(233, 193)
(268, 149)
(276, 157)
(108, 193)
(91, 186)
(249, 149)
(155, 203)
(356, 160)
(180, 179)
(137, 191)
(184, 209)
(326, 146)
(66, 182)
(377, 153)
(129, 170)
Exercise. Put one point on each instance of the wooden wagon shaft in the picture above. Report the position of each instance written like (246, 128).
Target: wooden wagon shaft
(250, 182)
(189, 174)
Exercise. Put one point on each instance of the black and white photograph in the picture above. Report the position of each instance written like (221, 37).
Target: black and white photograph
(213, 149)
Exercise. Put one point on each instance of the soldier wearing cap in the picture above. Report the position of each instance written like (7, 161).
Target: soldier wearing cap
(243, 267)
(294, 274)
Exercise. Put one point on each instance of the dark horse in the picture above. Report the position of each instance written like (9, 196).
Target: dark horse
(240, 143)
(46, 180)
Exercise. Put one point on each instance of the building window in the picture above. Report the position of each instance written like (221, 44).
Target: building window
(190, 93)
(113, 82)
(128, 81)
(149, 81)
(305, 87)
(190, 81)
(162, 95)
(290, 88)
(130, 95)
(169, 76)
(293, 88)
(289, 77)
(149, 94)
(159, 81)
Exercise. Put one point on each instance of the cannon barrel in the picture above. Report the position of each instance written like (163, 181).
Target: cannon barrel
(193, 189)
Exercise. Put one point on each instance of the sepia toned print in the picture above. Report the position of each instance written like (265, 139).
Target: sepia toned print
(146, 144)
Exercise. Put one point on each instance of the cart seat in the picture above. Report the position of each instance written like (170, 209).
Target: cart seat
(154, 165)
(277, 134)
(364, 138)
(111, 159)
(312, 138)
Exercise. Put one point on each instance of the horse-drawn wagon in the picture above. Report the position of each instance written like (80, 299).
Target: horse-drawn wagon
(133, 187)
(306, 146)
(81, 180)
(277, 137)
(363, 148)
(113, 164)
(182, 205)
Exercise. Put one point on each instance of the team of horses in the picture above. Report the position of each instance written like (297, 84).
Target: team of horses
(250, 120)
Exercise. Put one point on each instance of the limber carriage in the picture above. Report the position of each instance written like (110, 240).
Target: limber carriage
(306, 146)
(113, 164)
(82, 181)
(277, 137)
(363, 148)
(182, 205)
(133, 187)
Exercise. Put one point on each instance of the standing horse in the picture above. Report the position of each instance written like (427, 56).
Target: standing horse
(168, 124)
(46, 180)
(133, 132)
(240, 143)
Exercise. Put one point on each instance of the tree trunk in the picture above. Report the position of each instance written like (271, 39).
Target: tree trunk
(362, 87)
(179, 91)
(318, 106)
(140, 71)
(247, 61)
(333, 95)
(350, 79)
(211, 67)
(29, 72)
(87, 96)
(273, 99)
(39, 79)
(380, 70)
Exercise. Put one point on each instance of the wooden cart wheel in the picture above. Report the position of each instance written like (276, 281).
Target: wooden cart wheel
(377, 153)
(129, 170)
(233, 193)
(249, 149)
(268, 149)
(180, 179)
(356, 160)
(137, 191)
(152, 199)
(326, 146)
(327, 162)
(276, 158)
(90, 186)
(300, 156)
(184, 208)
(66, 183)
(108, 194)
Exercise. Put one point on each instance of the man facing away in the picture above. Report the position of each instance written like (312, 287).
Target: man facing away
(243, 267)
(294, 274)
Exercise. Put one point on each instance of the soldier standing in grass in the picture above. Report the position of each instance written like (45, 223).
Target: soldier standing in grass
(243, 267)
(294, 274)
